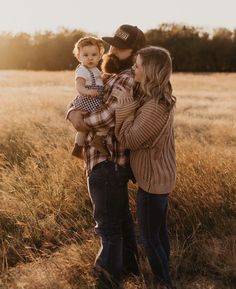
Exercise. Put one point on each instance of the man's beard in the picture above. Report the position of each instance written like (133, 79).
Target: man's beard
(111, 64)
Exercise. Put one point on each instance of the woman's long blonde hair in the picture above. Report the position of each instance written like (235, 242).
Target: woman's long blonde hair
(157, 70)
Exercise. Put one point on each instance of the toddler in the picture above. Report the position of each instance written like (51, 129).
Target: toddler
(89, 85)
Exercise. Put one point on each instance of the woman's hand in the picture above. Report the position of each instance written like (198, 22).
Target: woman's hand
(122, 95)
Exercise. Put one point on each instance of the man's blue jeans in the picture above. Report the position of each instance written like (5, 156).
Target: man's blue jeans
(109, 194)
(152, 214)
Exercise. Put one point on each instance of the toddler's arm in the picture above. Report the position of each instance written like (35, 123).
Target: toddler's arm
(82, 90)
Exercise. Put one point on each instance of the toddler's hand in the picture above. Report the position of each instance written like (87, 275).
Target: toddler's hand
(93, 92)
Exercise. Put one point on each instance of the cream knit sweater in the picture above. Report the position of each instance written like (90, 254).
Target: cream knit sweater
(148, 132)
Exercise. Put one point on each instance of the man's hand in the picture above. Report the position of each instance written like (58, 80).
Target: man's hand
(77, 120)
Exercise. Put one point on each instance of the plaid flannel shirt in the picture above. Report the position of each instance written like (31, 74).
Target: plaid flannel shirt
(104, 117)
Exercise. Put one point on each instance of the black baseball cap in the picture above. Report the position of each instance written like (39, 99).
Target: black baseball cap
(127, 37)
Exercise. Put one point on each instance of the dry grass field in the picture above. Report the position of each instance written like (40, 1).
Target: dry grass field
(47, 239)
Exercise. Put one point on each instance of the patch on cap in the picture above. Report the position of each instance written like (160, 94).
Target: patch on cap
(122, 34)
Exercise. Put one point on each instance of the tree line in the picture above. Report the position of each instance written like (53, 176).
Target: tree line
(192, 49)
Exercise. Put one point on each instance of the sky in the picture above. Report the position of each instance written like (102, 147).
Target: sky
(103, 17)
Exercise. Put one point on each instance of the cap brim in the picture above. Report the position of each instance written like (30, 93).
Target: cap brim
(114, 42)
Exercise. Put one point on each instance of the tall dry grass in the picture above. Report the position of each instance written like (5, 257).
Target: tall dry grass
(46, 225)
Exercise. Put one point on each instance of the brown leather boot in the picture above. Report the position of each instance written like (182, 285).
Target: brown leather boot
(78, 151)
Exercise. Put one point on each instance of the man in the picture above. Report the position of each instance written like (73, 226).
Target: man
(108, 175)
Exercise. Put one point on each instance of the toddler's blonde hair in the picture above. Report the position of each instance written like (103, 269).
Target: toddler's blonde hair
(87, 41)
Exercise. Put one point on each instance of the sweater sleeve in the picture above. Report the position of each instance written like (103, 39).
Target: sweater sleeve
(134, 129)
(104, 117)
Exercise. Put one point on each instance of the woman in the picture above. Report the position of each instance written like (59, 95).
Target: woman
(145, 126)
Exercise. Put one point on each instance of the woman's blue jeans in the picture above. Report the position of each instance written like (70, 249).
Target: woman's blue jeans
(152, 214)
(109, 195)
